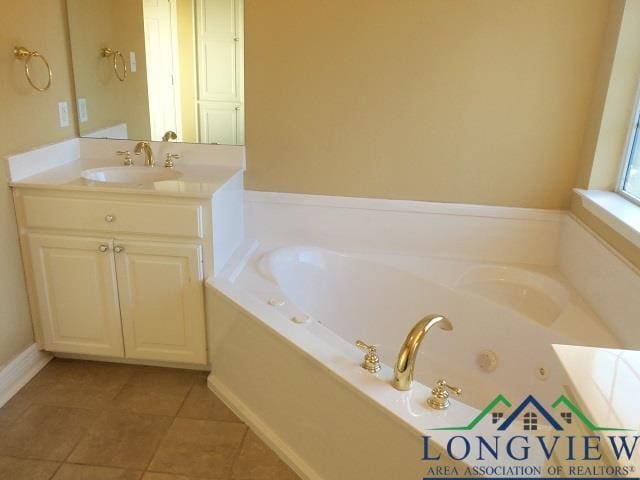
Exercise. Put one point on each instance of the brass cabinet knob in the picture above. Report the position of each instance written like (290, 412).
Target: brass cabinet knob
(103, 248)
(109, 218)
(118, 249)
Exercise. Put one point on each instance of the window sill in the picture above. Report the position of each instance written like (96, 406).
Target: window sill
(618, 213)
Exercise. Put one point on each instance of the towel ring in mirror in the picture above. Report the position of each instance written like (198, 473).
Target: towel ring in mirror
(118, 58)
(23, 53)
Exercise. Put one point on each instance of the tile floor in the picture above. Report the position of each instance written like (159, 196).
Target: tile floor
(79, 420)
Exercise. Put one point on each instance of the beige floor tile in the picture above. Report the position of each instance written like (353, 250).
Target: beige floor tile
(69, 383)
(120, 439)
(88, 472)
(81, 373)
(199, 448)
(155, 391)
(22, 469)
(202, 404)
(90, 397)
(12, 410)
(257, 462)
(46, 432)
(164, 476)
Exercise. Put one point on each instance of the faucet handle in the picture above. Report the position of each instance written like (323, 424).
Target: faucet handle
(169, 159)
(444, 384)
(439, 398)
(128, 161)
(371, 361)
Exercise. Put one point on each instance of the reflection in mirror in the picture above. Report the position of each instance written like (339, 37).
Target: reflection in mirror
(159, 69)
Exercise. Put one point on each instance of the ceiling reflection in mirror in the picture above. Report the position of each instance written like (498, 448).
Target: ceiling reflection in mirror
(167, 70)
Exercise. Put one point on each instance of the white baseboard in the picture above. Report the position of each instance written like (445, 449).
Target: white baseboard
(266, 434)
(20, 370)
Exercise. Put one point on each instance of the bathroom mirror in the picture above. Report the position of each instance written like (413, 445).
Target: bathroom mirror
(143, 68)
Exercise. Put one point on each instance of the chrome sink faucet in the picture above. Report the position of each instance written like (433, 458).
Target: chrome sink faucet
(148, 153)
(405, 363)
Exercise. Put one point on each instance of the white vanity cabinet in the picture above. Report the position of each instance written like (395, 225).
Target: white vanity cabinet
(117, 275)
(74, 280)
(161, 300)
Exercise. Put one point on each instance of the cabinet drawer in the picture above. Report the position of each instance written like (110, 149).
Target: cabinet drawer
(182, 220)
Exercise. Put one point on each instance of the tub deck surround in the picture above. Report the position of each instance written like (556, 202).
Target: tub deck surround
(377, 298)
(474, 232)
(368, 269)
(609, 283)
(606, 383)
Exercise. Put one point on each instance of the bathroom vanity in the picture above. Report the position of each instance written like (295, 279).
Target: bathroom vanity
(116, 268)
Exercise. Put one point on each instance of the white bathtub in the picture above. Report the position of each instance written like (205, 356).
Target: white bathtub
(302, 382)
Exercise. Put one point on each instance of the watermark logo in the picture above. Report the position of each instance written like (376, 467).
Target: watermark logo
(531, 440)
(531, 410)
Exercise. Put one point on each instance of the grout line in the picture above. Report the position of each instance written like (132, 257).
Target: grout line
(184, 400)
(83, 436)
(155, 451)
(166, 433)
(213, 420)
(106, 408)
(237, 453)
(55, 472)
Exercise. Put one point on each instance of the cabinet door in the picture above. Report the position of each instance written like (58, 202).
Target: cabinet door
(76, 290)
(161, 301)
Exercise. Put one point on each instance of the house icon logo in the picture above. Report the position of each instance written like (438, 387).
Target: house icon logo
(530, 413)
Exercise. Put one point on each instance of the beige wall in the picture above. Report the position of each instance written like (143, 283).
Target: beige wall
(610, 117)
(481, 101)
(117, 24)
(28, 119)
(187, 56)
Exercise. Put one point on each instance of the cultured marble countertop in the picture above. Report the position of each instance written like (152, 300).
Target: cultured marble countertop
(196, 180)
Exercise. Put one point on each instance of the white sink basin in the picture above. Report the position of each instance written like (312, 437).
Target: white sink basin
(130, 175)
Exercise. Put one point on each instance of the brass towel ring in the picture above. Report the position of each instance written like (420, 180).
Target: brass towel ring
(121, 74)
(24, 54)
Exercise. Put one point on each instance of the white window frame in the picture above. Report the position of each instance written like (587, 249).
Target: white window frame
(631, 142)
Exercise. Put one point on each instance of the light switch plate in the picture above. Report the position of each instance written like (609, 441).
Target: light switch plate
(132, 61)
(63, 114)
(82, 110)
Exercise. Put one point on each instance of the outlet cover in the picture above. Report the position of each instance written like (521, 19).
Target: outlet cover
(63, 114)
(82, 110)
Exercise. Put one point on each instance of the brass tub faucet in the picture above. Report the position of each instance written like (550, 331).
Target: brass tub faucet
(405, 363)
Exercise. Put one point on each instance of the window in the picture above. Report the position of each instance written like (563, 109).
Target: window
(530, 421)
(496, 416)
(567, 416)
(630, 178)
